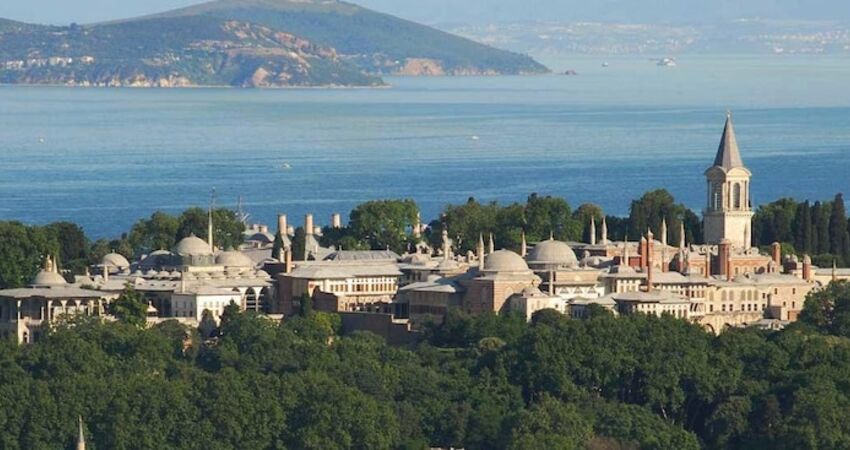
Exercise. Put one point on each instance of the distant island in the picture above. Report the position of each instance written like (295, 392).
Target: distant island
(246, 43)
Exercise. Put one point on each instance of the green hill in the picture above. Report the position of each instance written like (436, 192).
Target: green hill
(379, 43)
(249, 43)
(170, 52)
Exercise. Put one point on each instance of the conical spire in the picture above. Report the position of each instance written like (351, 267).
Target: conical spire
(728, 155)
(604, 231)
(492, 244)
(481, 251)
(664, 231)
(682, 235)
(592, 230)
(447, 247)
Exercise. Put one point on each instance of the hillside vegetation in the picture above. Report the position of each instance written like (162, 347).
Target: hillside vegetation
(255, 43)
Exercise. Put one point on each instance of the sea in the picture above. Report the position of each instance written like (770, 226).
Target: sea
(104, 158)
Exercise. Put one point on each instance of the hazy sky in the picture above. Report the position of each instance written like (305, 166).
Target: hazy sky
(470, 11)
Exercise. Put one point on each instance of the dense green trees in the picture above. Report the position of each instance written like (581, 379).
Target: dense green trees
(484, 382)
(819, 229)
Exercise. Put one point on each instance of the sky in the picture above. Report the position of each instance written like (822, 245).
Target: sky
(472, 11)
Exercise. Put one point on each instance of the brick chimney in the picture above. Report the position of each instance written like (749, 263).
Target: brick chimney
(776, 253)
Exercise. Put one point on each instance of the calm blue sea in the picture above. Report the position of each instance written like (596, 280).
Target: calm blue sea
(106, 157)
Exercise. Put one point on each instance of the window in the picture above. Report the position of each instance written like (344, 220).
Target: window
(736, 196)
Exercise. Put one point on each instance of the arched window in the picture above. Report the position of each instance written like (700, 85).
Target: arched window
(716, 196)
(736, 195)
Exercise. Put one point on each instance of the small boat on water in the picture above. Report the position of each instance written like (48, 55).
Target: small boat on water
(666, 62)
(605, 64)
(475, 138)
(286, 166)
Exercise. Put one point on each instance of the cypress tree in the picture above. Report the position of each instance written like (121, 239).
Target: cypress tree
(838, 226)
(814, 216)
(278, 246)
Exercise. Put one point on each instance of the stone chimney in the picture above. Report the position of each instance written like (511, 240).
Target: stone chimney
(776, 253)
(282, 228)
(649, 283)
(642, 252)
(417, 227)
(287, 258)
(523, 249)
(807, 268)
(336, 221)
(724, 259)
(309, 229)
(604, 231)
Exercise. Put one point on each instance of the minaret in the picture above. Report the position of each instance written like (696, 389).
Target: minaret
(604, 231)
(481, 252)
(81, 438)
(492, 244)
(664, 232)
(728, 212)
(682, 235)
(592, 230)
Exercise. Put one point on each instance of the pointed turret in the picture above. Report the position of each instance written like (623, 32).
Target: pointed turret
(481, 251)
(728, 155)
(592, 230)
(604, 231)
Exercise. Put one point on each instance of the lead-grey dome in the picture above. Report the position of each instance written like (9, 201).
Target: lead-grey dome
(504, 261)
(47, 278)
(192, 246)
(234, 258)
(552, 252)
(115, 260)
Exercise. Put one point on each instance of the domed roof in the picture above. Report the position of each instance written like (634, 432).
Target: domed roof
(46, 278)
(192, 246)
(553, 252)
(504, 261)
(233, 259)
(115, 260)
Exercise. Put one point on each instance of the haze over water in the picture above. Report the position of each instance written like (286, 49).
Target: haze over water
(112, 156)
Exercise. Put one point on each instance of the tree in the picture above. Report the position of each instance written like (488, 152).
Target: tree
(839, 241)
(582, 216)
(384, 224)
(465, 223)
(658, 206)
(73, 243)
(130, 307)
(156, 233)
(828, 310)
(550, 215)
(277, 247)
(550, 423)
(228, 230)
(22, 253)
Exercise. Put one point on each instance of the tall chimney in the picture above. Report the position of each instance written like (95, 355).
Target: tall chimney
(281, 224)
(776, 253)
(649, 255)
(287, 266)
(724, 256)
(807, 268)
(336, 221)
(309, 229)
(417, 227)
(642, 252)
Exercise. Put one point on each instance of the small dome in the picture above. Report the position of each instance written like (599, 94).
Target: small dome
(553, 252)
(504, 261)
(233, 259)
(192, 246)
(115, 260)
(46, 278)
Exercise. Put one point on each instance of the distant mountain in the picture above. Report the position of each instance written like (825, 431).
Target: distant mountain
(249, 43)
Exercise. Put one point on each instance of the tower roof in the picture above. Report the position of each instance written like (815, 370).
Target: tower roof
(728, 154)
